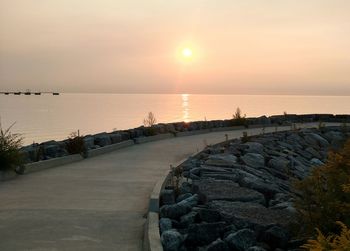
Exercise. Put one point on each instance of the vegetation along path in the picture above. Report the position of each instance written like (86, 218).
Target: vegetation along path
(95, 204)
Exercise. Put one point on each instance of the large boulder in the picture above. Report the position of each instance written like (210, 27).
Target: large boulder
(171, 240)
(255, 160)
(276, 237)
(254, 147)
(167, 197)
(241, 240)
(102, 139)
(89, 142)
(279, 163)
(204, 233)
(316, 140)
(177, 210)
(251, 215)
(226, 160)
(217, 245)
(116, 138)
(226, 190)
(165, 224)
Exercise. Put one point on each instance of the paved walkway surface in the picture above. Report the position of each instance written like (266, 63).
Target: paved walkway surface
(95, 204)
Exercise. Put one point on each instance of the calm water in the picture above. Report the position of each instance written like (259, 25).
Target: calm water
(41, 118)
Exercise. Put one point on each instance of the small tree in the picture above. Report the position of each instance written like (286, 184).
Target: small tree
(238, 119)
(150, 120)
(10, 155)
(75, 144)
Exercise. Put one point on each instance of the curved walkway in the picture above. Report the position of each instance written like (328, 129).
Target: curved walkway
(95, 204)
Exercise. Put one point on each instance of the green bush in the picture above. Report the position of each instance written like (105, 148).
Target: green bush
(10, 155)
(75, 144)
(324, 196)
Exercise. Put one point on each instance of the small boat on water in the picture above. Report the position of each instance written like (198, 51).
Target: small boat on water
(37, 93)
(55, 93)
(17, 93)
(6, 93)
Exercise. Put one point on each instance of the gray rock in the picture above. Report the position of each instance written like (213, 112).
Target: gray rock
(316, 140)
(313, 152)
(256, 248)
(175, 211)
(254, 160)
(89, 142)
(171, 240)
(254, 147)
(102, 139)
(316, 162)
(279, 163)
(226, 160)
(182, 197)
(217, 245)
(241, 240)
(227, 190)
(116, 138)
(165, 224)
(252, 215)
(276, 237)
(209, 215)
(188, 219)
(204, 233)
(167, 197)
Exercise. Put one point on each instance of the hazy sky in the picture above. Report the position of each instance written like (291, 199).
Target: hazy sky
(239, 46)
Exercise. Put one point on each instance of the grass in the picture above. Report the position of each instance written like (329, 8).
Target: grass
(11, 158)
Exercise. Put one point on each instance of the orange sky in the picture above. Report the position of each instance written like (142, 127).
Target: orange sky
(239, 47)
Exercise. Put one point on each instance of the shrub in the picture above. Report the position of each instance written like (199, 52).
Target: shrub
(10, 155)
(325, 194)
(150, 120)
(238, 119)
(75, 144)
(331, 242)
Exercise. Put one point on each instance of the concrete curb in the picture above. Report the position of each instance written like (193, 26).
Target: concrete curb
(110, 148)
(41, 165)
(142, 140)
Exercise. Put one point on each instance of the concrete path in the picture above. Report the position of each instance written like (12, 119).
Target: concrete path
(96, 204)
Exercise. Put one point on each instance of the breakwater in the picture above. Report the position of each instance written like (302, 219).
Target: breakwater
(55, 149)
(238, 195)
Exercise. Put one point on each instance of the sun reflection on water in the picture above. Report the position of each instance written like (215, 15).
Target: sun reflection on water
(185, 107)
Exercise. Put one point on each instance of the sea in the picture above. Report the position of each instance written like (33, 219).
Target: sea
(47, 117)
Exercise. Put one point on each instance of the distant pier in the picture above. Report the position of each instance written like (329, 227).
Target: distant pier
(29, 93)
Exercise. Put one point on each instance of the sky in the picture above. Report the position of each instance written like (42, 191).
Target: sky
(238, 46)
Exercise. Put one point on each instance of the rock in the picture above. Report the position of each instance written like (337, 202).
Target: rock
(209, 215)
(182, 197)
(316, 162)
(171, 240)
(165, 224)
(254, 147)
(252, 215)
(188, 219)
(175, 211)
(167, 197)
(227, 190)
(185, 188)
(254, 160)
(102, 139)
(280, 164)
(241, 240)
(256, 248)
(51, 149)
(276, 237)
(218, 245)
(195, 171)
(226, 160)
(116, 138)
(313, 152)
(89, 142)
(204, 233)
(316, 140)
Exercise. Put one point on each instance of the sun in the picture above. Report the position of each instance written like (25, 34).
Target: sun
(187, 52)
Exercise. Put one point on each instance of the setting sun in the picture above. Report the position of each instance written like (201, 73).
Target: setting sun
(187, 53)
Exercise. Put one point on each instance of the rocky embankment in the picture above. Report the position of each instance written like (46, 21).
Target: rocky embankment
(238, 195)
(54, 149)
